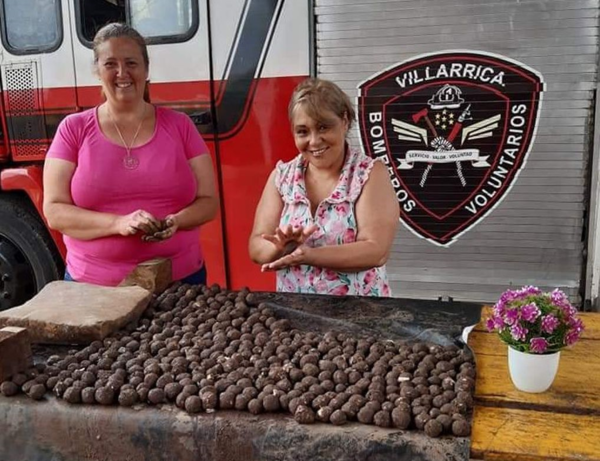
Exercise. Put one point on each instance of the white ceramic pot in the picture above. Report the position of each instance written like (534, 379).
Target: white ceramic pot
(532, 372)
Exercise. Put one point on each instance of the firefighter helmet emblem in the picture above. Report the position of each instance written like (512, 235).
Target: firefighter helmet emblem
(454, 129)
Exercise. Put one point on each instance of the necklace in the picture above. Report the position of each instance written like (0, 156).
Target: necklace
(129, 161)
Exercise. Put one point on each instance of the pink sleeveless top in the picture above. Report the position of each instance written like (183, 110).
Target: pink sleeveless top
(336, 225)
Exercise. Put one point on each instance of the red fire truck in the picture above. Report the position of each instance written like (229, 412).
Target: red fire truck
(231, 65)
(484, 113)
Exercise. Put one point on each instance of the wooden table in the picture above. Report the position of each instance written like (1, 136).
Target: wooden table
(562, 423)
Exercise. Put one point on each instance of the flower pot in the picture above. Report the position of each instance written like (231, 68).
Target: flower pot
(532, 372)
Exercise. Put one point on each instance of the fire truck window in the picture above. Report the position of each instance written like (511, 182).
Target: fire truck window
(31, 26)
(97, 13)
(161, 18)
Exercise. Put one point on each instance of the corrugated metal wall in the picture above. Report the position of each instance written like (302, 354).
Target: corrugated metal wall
(535, 235)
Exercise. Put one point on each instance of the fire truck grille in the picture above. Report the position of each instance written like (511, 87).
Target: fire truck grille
(25, 117)
(20, 90)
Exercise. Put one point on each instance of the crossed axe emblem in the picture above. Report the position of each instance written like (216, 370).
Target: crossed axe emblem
(441, 144)
(414, 133)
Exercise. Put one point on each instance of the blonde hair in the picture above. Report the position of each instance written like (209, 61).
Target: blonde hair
(318, 96)
(120, 30)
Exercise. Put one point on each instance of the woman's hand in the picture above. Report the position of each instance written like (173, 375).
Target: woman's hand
(295, 258)
(288, 239)
(168, 228)
(138, 221)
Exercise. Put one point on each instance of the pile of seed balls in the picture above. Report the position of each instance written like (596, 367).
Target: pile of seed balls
(206, 348)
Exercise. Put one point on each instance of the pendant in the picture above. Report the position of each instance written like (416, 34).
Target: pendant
(130, 162)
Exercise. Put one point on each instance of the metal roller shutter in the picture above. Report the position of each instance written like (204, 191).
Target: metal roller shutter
(535, 235)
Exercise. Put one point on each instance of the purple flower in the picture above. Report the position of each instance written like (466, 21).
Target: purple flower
(549, 323)
(529, 290)
(538, 345)
(576, 324)
(499, 322)
(558, 296)
(571, 337)
(512, 315)
(561, 301)
(499, 308)
(518, 332)
(530, 312)
(489, 324)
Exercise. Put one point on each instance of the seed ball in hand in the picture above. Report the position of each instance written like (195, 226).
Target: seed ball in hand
(37, 391)
(461, 428)
(382, 419)
(338, 417)
(9, 388)
(104, 395)
(193, 404)
(304, 415)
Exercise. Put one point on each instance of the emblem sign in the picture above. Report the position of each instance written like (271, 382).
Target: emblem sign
(454, 130)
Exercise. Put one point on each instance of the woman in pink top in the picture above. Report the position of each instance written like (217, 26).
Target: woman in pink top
(327, 219)
(115, 171)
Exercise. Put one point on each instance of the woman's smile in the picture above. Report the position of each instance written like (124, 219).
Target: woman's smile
(318, 152)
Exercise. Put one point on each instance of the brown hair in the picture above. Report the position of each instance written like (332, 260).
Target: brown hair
(120, 30)
(318, 96)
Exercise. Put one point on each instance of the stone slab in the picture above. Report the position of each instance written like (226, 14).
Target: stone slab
(154, 275)
(77, 313)
(15, 351)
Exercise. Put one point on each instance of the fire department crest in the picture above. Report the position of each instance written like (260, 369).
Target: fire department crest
(454, 129)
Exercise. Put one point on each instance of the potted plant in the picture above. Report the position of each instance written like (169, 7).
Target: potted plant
(535, 326)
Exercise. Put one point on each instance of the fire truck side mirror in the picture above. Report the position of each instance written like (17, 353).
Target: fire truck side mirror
(201, 118)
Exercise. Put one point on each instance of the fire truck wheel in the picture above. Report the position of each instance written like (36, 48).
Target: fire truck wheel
(28, 256)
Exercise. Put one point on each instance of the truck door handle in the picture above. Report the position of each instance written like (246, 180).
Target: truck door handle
(202, 118)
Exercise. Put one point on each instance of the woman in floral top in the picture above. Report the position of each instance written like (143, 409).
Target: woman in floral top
(326, 219)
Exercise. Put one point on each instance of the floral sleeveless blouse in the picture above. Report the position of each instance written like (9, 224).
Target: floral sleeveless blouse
(336, 225)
